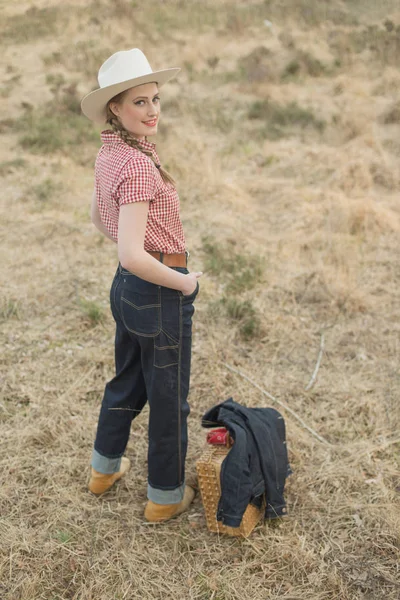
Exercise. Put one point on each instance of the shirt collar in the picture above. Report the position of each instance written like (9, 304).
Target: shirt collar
(110, 137)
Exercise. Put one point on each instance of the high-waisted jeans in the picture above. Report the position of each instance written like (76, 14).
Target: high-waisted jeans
(152, 363)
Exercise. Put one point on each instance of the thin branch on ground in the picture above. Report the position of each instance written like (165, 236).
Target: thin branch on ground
(295, 415)
(314, 375)
(381, 447)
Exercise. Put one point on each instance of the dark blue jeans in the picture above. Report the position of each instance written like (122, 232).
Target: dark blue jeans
(152, 363)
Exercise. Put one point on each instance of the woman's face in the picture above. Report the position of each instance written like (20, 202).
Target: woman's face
(139, 105)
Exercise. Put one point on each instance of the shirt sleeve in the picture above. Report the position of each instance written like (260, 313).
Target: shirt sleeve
(137, 183)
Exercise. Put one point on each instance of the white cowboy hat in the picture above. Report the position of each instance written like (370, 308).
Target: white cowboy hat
(120, 72)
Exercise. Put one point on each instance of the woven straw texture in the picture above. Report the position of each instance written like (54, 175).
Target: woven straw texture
(208, 468)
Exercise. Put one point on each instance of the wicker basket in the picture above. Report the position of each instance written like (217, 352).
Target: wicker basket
(208, 468)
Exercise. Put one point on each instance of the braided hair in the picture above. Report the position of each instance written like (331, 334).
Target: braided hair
(119, 129)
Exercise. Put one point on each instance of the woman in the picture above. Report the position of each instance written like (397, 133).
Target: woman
(135, 203)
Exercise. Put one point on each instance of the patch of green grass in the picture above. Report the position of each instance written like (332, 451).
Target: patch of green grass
(221, 114)
(45, 190)
(236, 309)
(166, 18)
(255, 66)
(381, 41)
(55, 81)
(84, 57)
(266, 161)
(7, 125)
(58, 125)
(10, 309)
(189, 70)
(221, 119)
(310, 12)
(292, 69)
(242, 313)
(9, 85)
(43, 134)
(392, 115)
(240, 271)
(247, 278)
(279, 118)
(250, 327)
(238, 74)
(35, 23)
(46, 133)
(64, 537)
(284, 115)
(8, 166)
(54, 58)
(193, 16)
(92, 311)
(304, 64)
(198, 17)
(68, 100)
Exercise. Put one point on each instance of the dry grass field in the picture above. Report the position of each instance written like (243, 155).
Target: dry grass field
(283, 132)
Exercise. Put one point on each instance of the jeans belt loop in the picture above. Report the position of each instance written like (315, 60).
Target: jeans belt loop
(161, 257)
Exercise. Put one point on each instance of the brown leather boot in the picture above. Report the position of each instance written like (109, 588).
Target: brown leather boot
(157, 513)
(100, 483)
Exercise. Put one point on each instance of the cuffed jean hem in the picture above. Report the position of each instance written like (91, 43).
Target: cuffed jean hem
(105, 465)
(166, 496)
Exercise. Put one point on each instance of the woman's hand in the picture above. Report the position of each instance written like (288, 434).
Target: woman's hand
(131, 233)
(191, 282)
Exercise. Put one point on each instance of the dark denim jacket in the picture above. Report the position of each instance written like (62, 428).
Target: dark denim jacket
(257, 463)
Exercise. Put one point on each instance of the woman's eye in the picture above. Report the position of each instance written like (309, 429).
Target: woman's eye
(154, 99)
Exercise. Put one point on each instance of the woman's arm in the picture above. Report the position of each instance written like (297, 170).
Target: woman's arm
(96, 218)
(132, 256)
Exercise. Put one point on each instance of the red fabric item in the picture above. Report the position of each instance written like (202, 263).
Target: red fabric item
(219, 437)
(124, 174)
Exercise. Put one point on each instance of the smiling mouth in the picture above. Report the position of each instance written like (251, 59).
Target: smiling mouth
(149, 123)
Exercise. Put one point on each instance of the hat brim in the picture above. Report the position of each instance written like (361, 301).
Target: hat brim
(94, 104)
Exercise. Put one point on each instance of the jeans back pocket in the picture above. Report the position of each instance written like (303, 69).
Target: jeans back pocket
(141, 313)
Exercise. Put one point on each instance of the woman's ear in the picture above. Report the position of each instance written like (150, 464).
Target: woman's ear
(113, 106)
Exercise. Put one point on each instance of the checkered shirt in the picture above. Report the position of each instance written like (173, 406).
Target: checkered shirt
(124, 174)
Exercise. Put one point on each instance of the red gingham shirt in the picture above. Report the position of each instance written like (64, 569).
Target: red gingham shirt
(124, 174)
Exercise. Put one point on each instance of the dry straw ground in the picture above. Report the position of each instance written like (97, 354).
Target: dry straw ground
(285, 141)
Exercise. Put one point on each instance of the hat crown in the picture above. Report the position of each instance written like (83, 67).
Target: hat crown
(123, 66)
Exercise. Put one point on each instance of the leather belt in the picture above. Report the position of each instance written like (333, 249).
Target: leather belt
(171, 260)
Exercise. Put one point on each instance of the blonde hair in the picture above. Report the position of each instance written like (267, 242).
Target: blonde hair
(118, 128)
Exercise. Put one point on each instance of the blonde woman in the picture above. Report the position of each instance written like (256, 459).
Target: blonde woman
(135, 204)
